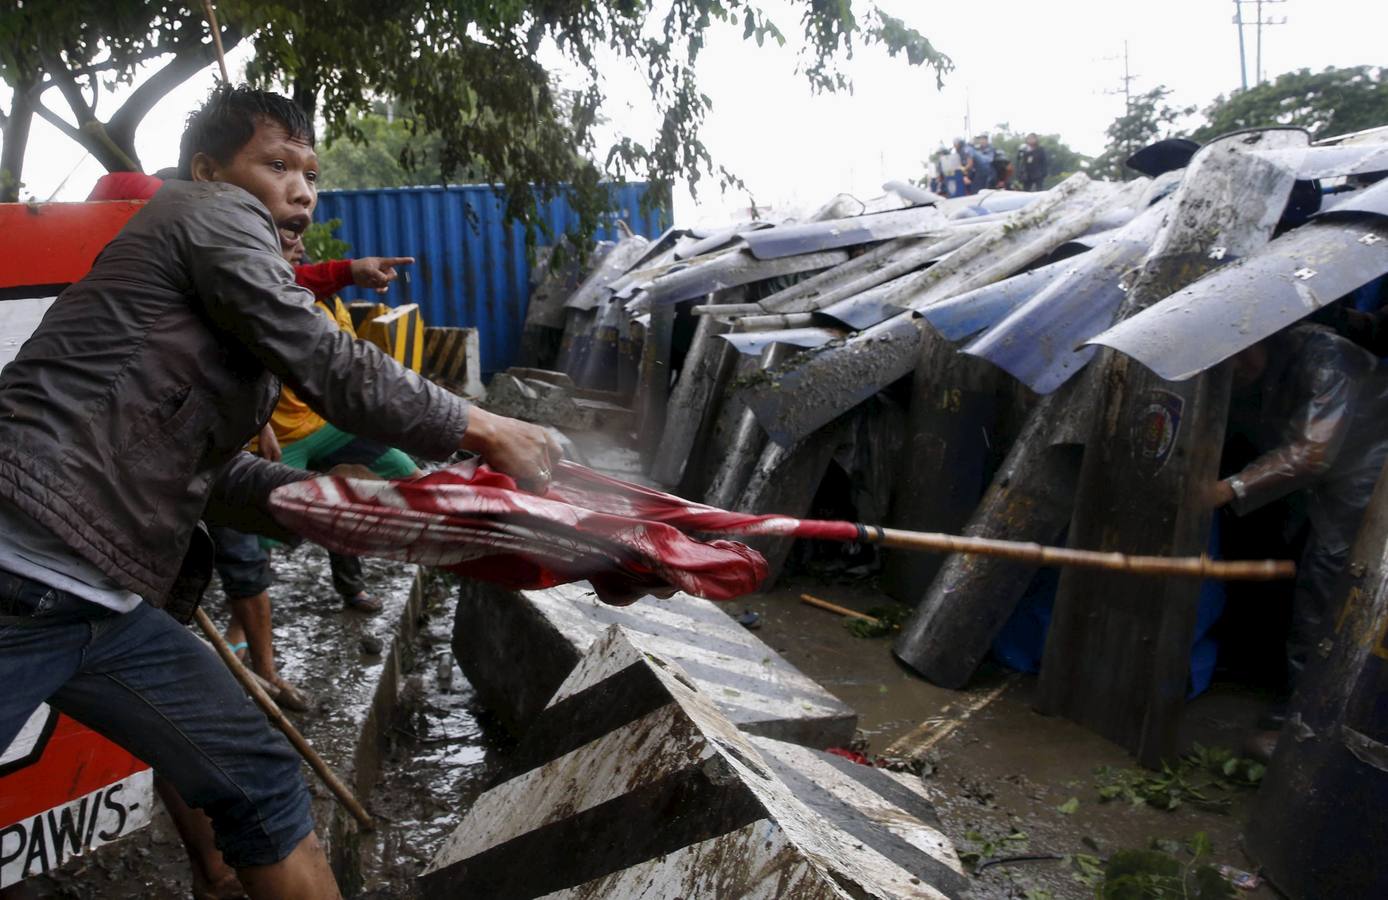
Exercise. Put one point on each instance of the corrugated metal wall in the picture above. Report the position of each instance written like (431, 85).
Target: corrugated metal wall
(470, 267)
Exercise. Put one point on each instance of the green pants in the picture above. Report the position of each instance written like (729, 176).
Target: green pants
(329, 446)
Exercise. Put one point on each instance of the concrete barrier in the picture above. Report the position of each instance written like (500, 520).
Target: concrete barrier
(453, 358)
(399, 332)
(517, 647)
(632, 783)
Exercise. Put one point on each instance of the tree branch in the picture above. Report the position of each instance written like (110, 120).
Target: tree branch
(92, 135)
(16, 140)
(68, 86)
(60, 123)
(106, 66)
(187, 62)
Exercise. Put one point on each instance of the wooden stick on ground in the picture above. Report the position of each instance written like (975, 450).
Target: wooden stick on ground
(262, 699)
(835, 608)
(1174, 566)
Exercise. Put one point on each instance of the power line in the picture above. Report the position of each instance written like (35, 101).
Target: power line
(1126, 89)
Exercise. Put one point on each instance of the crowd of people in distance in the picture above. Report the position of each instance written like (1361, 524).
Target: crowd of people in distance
(966, 168)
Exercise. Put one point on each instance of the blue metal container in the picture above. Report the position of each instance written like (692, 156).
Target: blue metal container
(470, 266)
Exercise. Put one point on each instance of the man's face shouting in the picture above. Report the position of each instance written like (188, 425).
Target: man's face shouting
(281, 172)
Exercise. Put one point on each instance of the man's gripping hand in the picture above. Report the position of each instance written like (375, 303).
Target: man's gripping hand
(525, 452)
(269, 444)
(377, 272)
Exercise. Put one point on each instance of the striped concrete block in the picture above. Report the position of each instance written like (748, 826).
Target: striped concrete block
(363, 311)
(632, 784)
(517, 647)
(399, 333)
(453, 358)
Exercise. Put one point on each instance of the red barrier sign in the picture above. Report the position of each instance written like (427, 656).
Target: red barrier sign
(64, 790)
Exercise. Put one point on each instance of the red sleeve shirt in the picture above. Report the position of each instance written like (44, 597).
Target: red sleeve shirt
(325, 278)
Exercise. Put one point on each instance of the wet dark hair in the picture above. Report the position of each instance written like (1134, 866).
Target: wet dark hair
(227, 121)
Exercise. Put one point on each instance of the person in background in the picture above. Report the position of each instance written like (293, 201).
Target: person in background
(946, 173)
(1313, 403)
(971, 166)
(1032, 164)
(982, 174)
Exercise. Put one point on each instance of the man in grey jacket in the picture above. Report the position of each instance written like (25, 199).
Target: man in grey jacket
(121, 426)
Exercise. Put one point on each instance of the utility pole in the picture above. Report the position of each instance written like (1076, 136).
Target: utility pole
(1258, 66)
(1126, 89)
(1243, 58)
(1259, 21)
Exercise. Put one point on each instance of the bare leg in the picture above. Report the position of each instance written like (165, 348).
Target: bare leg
(250, 621)
(303, 874)
(213, 879)
(251, 617)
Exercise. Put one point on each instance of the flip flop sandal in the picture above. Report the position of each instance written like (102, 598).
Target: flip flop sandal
(239, 650)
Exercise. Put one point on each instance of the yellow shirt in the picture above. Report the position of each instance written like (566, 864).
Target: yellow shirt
(293, 420)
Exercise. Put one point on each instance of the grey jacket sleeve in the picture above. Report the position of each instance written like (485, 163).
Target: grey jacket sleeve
(247, 290)
(240, 496)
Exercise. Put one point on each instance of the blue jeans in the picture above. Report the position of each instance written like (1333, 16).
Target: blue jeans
(241, 563)
(148, 684)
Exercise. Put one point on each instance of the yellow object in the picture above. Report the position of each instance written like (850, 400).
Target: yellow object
(399, 332)
(363, 311)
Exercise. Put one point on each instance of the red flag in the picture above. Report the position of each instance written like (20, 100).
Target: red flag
(626, 540)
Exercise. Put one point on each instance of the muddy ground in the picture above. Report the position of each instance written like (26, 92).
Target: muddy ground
(1004, 770)
(1007, 769)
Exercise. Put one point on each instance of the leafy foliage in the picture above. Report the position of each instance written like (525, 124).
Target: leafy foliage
(1167, 871)
(467, 70)
(390, 152)
(1148, 118)
(1334, 101)
(1204, 778)
(83, 49)
(889, 620)
(321, 243)
(981, 847)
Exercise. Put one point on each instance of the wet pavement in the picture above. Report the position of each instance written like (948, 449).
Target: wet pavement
(443, 751)
(1002, 771)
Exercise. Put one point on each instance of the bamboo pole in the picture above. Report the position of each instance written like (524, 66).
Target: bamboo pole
(1171, 566)
(812, 600)
(211, 15)
(262, 699)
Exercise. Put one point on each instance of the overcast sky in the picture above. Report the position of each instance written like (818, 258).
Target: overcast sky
(1051, 67)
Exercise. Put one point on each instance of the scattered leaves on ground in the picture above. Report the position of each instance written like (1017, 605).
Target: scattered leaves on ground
(1088, 869)
(1204, 778)
(889, 621)
(981, 848)
(1168, 870)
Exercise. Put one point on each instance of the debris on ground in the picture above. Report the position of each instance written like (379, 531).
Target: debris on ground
(1204, 778)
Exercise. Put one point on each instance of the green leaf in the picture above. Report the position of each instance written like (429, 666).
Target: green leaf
(1069, 807)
